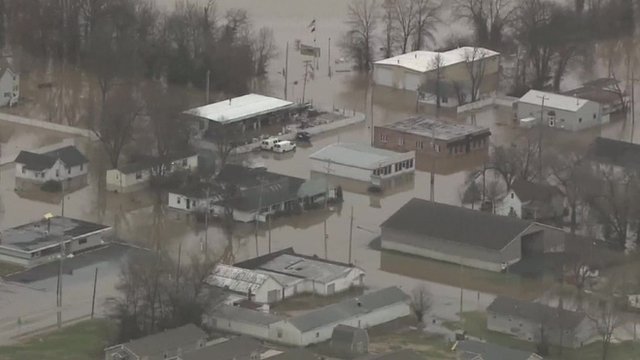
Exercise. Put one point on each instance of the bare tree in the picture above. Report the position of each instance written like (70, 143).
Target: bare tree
(226, 139)
(488, 18)
(514, 161)
(389, 22)
(164, 107)
(476, 68)
(116, 123)
(434, 83)
(264, 48)
(606, 319)
(362, 21)
(427, 16)
(571, 175)
(421, 301)
(405, 14)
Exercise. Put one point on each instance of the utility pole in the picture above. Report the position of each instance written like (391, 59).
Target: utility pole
(326, 237)
(208, 85)
(432, 194)
(461, 297)
(258, 217)
(307, 65)
(285, 72)
(329, 58)
(59, 290)
(93, 298)
(206, 224)
(64, 195)
(633, 105)
(543, 97)
(370, 108)
(269, 228)
(178, 267)
(326, 184)
(350, 234)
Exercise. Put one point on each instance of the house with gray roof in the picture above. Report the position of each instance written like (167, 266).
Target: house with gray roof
(9, 83)
(64, 165)
(617, 155)
(457, 235)
(243, 321)
(531, 321)
(349, 342)
(239, 348)
(167, 344)
(295, 354)
(532, 201)
(477, 350)
(404, 354)
(41, 241)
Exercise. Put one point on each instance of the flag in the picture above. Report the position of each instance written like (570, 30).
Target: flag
(312, 23)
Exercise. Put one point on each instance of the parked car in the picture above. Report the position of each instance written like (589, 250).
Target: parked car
(267, 144)
(284, 146)
(303, 136)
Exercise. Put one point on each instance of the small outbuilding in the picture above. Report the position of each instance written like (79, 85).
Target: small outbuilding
(532, 201)
(9, 84)
(349, 342)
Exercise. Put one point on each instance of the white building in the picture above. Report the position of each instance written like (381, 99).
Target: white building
(9, 85)
(135, 176)
(371, 309)
(560, 111)
(418, 71)
(62, 164)
(283, 274)
(362, 162)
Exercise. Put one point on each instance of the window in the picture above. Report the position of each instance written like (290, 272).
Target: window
(179, 199)
(184, 162)
(594, 115)
(57, 172)
(437, 148)
(579, 120)
(401, 141)
(398, 167)
(280, 333)
(389, 169)
(444, 99)
(512, 195)
(24, 171)
(317, 334)
(138, 175)
(384, 138)
(68, 170)
(7, 94)
(81, 167)
(82, 241)
(419, 145)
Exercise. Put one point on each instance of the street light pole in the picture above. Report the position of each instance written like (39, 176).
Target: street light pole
(543, 97)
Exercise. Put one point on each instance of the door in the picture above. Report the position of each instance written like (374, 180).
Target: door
(331, 289)
(188, 204)
(272, 296)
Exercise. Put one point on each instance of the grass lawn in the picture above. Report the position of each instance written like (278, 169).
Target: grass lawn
(432, 347)
(85, 340)
(8, 268)
(475, 323)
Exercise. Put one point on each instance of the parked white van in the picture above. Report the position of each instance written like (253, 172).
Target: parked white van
(267, 144)
(284, 146)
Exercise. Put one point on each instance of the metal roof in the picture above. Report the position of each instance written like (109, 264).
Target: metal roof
(239, 108)
(154, 346)
(423, 61)
(237, 279)
(615, 152)
(69, 155)
(247, 316)
(304, 267)
(442, 130)
(473, 349)
(358, 155)
(347, 309)
(553, 101)
(236, 348)
(537, 313)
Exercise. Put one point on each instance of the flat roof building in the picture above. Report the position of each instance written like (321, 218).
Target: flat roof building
(40, 241)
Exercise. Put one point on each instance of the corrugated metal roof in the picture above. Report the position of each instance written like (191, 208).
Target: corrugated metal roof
(553, 101)
(423, 61)
(237, 279)
(246, 316)
(357, 155)
(239, 108)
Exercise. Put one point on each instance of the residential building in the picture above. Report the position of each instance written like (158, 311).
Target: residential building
(560, 111)
(247, 113)
(477, 350)
(433, 140)
(41, 241)
(349, 342)
(66, 165)
(239, 348)
(250, 193)
(368, 310)
(486, 241)
(614, 155)
(604, 91)
(405, 354)
(450, 76)
(532, 201)
(9, 84)
(362, 162)
(529, 321)
(167, 344)
(136, 175)
(283, 274)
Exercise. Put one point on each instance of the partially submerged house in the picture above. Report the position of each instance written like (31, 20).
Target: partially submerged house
(532, 321)
(604, 91)
(532, 201)
(47, 239)
(238, 348)
(273, 277)
(477, 350)
(66, 165)
(167, 344)
(136, 175)
(615, 156)
(251, 193)
(349, 342)
(9, 84)
(362, 162)
(368, 310)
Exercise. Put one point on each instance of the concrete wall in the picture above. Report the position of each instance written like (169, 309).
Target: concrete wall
(450, 251)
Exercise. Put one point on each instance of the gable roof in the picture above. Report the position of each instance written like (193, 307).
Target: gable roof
(553, 101)
(349, 308)
(295, 354)
(536, 312)
(143, 162)
(169, 340)
(227, 350)
(530, 191)
(477, 350)
(70, 155)
(615, 152)
(423, 61)
(405, 354)
(442, 221)
(237, 279)
(345, 333)
(248, 316)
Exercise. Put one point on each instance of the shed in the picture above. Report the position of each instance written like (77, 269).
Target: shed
(348, 341)
(560, 111)
(160, 346)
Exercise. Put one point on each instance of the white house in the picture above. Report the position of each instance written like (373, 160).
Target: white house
(371, 309)
(282, 274)
(63, 164)
(418, 71)
(9, 85)
(362, 162)
(532, 201)
(136, 175)
(560, 111)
